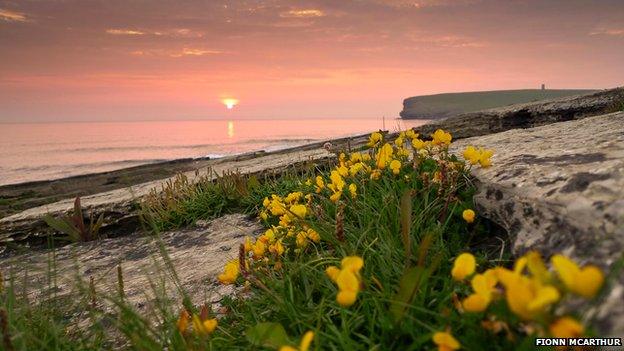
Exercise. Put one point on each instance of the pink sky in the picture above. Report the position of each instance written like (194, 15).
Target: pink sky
(79, 60)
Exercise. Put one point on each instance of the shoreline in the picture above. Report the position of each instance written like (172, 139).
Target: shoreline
(21, 196)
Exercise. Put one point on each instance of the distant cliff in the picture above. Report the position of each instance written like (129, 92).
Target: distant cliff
(441, 106)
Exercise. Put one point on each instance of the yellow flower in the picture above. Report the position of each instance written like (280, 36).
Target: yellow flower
(356, 157)
(259, 248)
(441, 137)
(375, 174)
(353, 190)
(277, 248)
(313, 235)
(526, 297)
(410, 133)
(301, 240)
(230, 272)
(374, 138)
(481, 156)
(299, 210)
(183, 321)
(337, 182)
(395, 166)
(320, 184)
(304, 345)
(205, 327)
(484, 159)
(247, 245)
(445, 341)
(384, 155)
(266, 202)
(418, 144)
(353, 170)
(277, 207)
(335, 196)
(471, 155)
(399, 141)
(483, 286)
(293, 197)
(566, 327)
(268, 236)
(308, 182)
(585, 282)
(468, 215)
(332, 272)
(347, 278)
(264, 215)
(464, 265)
(343, 171)
(366, 157)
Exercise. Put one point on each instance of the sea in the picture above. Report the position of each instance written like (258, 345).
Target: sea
(44, 151)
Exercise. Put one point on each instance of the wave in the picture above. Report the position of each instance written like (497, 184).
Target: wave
(177, 147)
(88, 165)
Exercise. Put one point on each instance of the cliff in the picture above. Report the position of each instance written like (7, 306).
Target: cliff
(441, 106)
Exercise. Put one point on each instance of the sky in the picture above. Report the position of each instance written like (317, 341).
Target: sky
(133, 60)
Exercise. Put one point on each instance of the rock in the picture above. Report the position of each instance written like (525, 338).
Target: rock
(197, 254)
(560, 189)
(527, 115)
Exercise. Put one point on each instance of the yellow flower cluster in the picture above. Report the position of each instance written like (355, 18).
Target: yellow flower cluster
(479, 156)
(530, 288)
(347, 278)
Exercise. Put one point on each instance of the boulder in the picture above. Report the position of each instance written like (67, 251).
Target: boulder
(559, 188)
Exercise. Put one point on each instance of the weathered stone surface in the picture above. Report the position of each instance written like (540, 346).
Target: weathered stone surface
(560, 188)
(198, 255)
(527, 115)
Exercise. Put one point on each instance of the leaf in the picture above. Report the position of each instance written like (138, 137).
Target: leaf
(406, 223)
(267, 334)
(64, 226)
(408, 287)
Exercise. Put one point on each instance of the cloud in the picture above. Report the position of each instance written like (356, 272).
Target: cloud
(124, 32)
(302, 13)
(12, 16)
(613, 32)
(195, 52)
(176, 32)
(177, 53)
(448, 41)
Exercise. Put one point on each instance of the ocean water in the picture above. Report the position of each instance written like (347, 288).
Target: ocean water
(30, 152)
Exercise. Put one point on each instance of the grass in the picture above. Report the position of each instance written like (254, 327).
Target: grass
(407, 223)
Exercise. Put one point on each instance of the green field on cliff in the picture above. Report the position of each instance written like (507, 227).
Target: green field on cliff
(446, 105)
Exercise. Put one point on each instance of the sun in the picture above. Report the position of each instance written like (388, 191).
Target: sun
(230, 103)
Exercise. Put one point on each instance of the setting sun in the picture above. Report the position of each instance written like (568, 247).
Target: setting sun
(230, 103)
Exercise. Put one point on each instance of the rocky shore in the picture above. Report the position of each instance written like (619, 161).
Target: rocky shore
(556, 185)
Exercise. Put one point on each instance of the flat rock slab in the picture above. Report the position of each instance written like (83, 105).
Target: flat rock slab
(560, 189)
(198, 255)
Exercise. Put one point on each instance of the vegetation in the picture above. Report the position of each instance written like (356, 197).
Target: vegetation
(74, 225)
(382, 251)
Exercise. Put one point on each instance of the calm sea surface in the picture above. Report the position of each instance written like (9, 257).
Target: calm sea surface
(48, 151)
